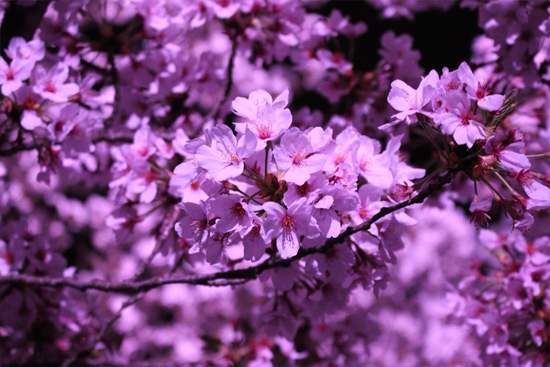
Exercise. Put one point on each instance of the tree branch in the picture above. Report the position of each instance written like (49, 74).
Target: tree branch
(26, 147)
(217, 279)
(228, 76)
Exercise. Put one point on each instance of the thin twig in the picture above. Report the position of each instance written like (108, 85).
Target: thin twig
(165, 229)
(228, 76)
(83, 353)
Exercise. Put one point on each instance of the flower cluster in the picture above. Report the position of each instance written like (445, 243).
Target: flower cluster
(506, 300)
(40, 325)
(273, 184)
(250, 182)
(520, 32)
(459, 109)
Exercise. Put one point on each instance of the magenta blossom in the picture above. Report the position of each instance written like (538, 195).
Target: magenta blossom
(51, 85)
(296, 157)
(233, 213)
(268, 118)
(12, 75)
(224, 159)
(370, 164)
(287, 225)
(479, 209)
(409, 101)
(194, 224)
(460, 121)
(476, 91)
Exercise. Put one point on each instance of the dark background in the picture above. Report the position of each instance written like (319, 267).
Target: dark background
(444, 38)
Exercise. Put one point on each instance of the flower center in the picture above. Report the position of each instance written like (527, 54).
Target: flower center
(264, 132)
(363, 213)
(9, 74)
(298, 156)
(364, 164)
(50, 87)
(197, 227)
(289, 224)
(237, 210)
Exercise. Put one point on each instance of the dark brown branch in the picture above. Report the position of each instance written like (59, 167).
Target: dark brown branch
(26, 147)
(250, 273)
(166, 227)
(228, 76)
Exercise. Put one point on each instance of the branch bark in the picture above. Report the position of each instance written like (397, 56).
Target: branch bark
(227, 277)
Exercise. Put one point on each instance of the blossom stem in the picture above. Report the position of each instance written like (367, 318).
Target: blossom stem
(503, 200)
(419, 184)
(266, 155)
(248, 198)
(432, 140)
(506, 184)
(251, 197)
(249, 176)
(541, 155)
(256, 176)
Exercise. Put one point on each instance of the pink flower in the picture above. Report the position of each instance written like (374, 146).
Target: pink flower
(460, 121)
(233, 213)
(268, 118)
(254, 244)
(479, 211)
(508, 152)
(256, 101)
(19, 48)
(224, 159)
(336, 262)
(369, 204)
(476, 91)
(143, 181)
(339, 167)
(370, 164)
(51, 84)
(224, 9)
(539, 332)
(12, 75)
(539, 195)
(331, 202)
(287, 225)
(331, 26)
(31, 102)
(194, 224)
(410, 101)
(335, 61)
(297, 157)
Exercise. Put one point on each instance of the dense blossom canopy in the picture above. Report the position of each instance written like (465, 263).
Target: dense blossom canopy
(228, 183)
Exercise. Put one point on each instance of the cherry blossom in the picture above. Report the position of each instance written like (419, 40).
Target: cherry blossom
(460, 122)
(224, 159)
(477, 91)
(287, 225)
(253, 183)
(297, 158)
(409, 101)
(13, 75)
(268, 118)
(51, 84)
